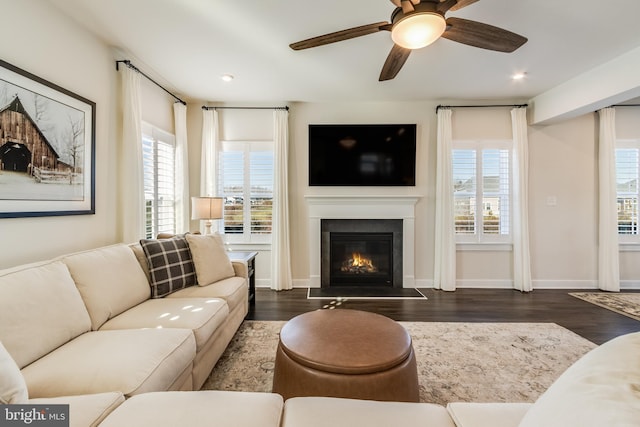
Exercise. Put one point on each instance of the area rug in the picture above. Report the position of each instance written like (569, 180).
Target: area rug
(627, 304)
(472, 362)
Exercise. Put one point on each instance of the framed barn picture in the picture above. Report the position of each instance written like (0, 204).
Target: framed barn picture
(47, 147)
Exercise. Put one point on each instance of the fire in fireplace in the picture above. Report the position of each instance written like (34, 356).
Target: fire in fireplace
(358, 264)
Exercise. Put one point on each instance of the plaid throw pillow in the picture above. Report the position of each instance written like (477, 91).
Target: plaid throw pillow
(170, 265)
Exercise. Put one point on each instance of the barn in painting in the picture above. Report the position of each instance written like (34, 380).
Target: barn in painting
(23, 147)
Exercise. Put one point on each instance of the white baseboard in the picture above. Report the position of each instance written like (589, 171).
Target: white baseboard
(629, 284)
(565, 284)
(491, 284)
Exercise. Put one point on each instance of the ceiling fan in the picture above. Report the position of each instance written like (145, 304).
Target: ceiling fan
(418, 23)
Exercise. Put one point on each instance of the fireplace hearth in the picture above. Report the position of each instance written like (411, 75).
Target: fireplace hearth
(363, 252)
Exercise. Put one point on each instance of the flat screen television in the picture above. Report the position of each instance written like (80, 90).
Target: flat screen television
(362, 155)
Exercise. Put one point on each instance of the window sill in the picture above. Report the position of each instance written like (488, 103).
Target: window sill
(629, 247)
(237, 246)
(486, 247)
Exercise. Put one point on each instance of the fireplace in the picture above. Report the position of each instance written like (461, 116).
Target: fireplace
(358, 206)
(361, 252)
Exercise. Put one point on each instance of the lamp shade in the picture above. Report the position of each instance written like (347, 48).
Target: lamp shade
(206, 207)
(418, 30)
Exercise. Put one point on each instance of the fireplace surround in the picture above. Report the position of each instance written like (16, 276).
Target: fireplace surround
(361, 252)
(362, 207)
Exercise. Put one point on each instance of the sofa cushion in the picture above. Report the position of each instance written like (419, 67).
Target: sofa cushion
(210, 258)
(200, 315)
(466, 414)
(13, 389)
(40, 310)
(86, 410)
(110, 281)
(338, 412)
(130, 361)
(199, 409)
(602, 388)
(142, 259)
(233, 290)
(170, 265)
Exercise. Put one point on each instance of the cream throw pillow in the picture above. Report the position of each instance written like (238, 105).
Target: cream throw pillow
(210, 258)
(13, 389)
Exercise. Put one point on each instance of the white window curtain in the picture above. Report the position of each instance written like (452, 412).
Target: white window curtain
(445, 243)
(210, 142)
(181, 166)
(130, 184)
(521, 256)
(209, 158)
(280, 247)
(608, 255)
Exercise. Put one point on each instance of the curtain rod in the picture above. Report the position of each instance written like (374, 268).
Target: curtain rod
(626, 105)
(482, 106)
(204, 107)
(133, 67)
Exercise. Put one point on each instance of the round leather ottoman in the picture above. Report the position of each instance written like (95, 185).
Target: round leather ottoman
(345, 353)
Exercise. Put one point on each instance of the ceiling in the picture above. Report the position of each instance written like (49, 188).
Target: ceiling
(187, 45)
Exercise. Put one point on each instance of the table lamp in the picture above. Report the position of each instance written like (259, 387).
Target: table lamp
(207, 208)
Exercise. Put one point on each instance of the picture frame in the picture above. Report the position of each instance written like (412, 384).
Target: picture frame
(47, 147)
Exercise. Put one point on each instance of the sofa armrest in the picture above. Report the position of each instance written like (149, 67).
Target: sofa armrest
(487, 414)
(240, 269)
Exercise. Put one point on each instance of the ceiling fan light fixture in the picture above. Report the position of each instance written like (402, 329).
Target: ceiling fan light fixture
(417, 30)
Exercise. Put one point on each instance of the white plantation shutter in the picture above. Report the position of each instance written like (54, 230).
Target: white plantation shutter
(495, 191)
(627, 177)
(149, 183)
(464, 191)
(482, 190)
(261, 166)
(231, 181)
(158, 160)
(245, 180)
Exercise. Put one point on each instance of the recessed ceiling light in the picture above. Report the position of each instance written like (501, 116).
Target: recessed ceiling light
(227, 77)
(519, 76)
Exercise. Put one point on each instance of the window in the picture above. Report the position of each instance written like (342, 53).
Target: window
(627, 176)
(158, 158)
(245, 180)
(482, 191)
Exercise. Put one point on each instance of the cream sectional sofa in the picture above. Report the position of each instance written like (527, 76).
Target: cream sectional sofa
(601, 389)
(85, 324)
(83, 330)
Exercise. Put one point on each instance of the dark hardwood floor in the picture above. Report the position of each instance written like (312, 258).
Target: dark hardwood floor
(466, 305)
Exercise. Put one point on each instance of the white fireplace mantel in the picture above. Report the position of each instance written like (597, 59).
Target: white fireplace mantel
(363, 207)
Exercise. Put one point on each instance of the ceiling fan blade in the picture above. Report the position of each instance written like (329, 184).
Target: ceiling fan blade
(462, 3)
(444, 5)
(407, 6)
(481, 35)
(396, 59)
(340, 35)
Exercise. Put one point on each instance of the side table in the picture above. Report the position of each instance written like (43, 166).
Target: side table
(249, 258)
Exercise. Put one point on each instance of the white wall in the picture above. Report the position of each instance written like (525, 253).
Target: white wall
(38, 39)
(564, 236)
(157, 106)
